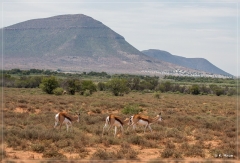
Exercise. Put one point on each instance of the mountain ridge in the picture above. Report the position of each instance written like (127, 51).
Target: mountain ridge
(76, 43)
(193, 63)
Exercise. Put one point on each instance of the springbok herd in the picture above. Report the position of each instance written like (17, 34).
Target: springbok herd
(111, 121)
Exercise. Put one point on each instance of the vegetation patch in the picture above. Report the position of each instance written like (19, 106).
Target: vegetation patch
(192, 127)
(131, 109)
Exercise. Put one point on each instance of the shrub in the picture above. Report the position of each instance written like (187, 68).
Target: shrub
(168, 152)
(48, 84)
(58, 91)
(101, 86)
(38, 148)
(137, 140)
(232, 91)
(157, 95)
(127, 152)
(73, 85)
(165, 86)
(195, 150)
(88, 87)
(118, 86)
(195, 89)
(53, 154)
(155, 136)
(219, 91)
(87, 93)
(131, 109)
(100, 154)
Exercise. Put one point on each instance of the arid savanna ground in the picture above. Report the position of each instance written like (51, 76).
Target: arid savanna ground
(194, 127)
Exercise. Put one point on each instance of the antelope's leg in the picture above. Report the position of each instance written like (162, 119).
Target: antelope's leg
(109, 128)
(122, 129)
(56, 123)
(134, 127)
(145, 128)
(70, 125)
(60, 126)
(104, 128)
(150, 128)
(115, 131)
(67, 126)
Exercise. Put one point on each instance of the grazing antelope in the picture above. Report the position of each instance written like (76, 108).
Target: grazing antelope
(63, 117)
(143, 120)
(113, 120)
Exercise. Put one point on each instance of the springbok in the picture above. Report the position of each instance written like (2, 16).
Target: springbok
(63, 117)
(143, 120)
(116, 121)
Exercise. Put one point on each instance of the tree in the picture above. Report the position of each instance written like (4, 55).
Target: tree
(73, 85)
(48, 84)
(165, 86)
(219, 91)
(133, 83)
(101, 86)
(88, 85)
(195, 89)
(118, 86)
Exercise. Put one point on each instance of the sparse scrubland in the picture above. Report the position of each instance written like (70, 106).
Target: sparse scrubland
(193, 126)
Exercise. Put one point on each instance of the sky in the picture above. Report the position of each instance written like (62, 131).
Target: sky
(193, 29)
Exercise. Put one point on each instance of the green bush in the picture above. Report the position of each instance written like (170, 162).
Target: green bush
(88, 86)
(164, 86)
(58, 91)
(219, 91)
(48, 84)
(195, 89)
(131, 109)
(101, 86)
(118, 86)
(73, 85)
(157, 95)
(87, 93)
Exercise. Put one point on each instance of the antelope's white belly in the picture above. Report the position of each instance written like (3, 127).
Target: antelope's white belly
(66, 121)
(117, 123)
(142, 122)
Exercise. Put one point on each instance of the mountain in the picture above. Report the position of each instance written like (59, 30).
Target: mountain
(76, 43)
(73, 43)
(193, 63)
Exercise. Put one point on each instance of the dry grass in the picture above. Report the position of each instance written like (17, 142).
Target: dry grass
(193, 126)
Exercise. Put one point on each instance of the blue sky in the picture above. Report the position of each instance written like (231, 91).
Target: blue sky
(192, 29)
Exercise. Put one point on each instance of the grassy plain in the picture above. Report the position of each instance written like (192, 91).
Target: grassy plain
(193, 127)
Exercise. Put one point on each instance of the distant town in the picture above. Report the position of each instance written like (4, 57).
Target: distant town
(179, 72)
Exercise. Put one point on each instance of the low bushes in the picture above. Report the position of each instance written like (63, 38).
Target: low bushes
(191, 127)
(131, 109)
